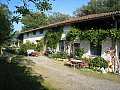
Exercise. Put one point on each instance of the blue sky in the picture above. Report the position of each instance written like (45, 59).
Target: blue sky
(63, 6)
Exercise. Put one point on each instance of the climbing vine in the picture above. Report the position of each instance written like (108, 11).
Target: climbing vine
(74, 32)
(53, 38)
(40, 45)
(94, 36)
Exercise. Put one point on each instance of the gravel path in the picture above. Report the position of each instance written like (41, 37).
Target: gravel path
(64, 78)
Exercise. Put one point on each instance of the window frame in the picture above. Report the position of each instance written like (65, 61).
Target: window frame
(27, 34)
(95, 50)
(34, 32)
(41, 31)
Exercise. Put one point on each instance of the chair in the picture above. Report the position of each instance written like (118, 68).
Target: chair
(33, 54)
(84, 64)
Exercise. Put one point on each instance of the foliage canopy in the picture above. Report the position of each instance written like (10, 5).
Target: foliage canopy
(98, 6)
(5, 24)
(57, 17)
(33, 20)
(36, 19)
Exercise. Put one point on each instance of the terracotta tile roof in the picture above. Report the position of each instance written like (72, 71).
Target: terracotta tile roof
(80, 19)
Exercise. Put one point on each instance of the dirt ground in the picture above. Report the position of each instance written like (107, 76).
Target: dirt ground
(64, 78)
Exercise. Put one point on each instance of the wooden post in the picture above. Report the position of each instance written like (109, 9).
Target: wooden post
(114, 44)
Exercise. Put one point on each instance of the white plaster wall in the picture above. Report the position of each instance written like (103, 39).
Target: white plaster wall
(66, 29)
(118, 49)
(86, 45)
(106, 45)
(57, 49)
(32, 37)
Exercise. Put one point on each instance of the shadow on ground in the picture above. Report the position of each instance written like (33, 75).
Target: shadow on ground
(68, 65)
(16, 76)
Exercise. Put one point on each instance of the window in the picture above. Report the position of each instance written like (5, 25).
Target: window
(95, 50)
(27, 34)
(34, 32)
(41, 31)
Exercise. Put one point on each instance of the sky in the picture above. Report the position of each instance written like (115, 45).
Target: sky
(63, 6)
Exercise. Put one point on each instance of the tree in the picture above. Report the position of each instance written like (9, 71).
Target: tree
(33, 20)
(36, 19)
(23, 9)
(42, 5)
(98, 6)
(57, 17)
(5, 24)
(112, 5)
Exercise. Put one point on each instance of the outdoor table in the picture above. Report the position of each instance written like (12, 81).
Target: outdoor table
(76, 62)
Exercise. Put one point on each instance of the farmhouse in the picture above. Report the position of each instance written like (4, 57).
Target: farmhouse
(94, 21)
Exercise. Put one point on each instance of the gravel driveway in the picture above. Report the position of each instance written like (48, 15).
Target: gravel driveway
(64, 78)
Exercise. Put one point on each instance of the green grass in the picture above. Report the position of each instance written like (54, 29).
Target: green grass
(47, 84)
(95, 74)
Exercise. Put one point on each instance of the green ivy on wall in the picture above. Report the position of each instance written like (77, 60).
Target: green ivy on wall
(74, 32)
(40, 45)
(53, 38)
(94, 36)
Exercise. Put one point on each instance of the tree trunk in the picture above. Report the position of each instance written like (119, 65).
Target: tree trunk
(1, 52)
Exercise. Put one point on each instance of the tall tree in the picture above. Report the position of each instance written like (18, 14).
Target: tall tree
(98, 6)
(57, 17)
(33, 20)
(112, 5)
(5, 24)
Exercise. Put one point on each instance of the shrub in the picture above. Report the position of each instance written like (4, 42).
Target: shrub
(86, 60)
(10, 50)
(78, 58)
(98, 62)
(25, 47)
(79, 52)
(55, 55)
(40, 45)
(62, 55)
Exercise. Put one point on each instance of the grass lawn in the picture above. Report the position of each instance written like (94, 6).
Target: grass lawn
(95, 74)
(47, 84)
